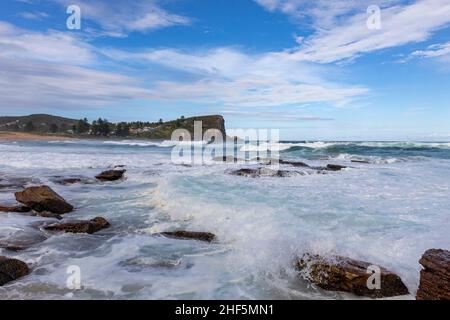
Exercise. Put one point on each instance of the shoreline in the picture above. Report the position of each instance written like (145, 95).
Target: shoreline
(22, 136)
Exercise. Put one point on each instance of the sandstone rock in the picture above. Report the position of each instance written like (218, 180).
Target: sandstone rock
(435, 277)
(11, 269)
(17, 209)
(78, 226)
(43, 199)
(111, 175)
(343, 274)
(189, 235)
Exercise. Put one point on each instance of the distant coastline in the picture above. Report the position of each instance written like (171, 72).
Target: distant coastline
(22, 136)
(45, 127)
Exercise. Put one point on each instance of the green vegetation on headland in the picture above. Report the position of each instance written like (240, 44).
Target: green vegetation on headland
(102, 128)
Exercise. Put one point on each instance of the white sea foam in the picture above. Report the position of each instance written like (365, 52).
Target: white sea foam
(387, 215)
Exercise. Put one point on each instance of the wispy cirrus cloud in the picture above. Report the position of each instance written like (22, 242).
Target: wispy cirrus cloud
(120, 17)
(37, 15)
(232, 77)
(53, 69)
(344, 34)
(434, 51)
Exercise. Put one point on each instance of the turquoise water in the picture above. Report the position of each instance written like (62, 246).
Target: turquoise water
(387, 211)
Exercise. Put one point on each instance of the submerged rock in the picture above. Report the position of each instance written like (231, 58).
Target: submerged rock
(42, 199)
(361, 161)
(264, 172)
(16, 209)
(344, 274)
(435, 277)
(294, 163)
(11, 269)
(78, 226)
(16, 239)
(335, 167)
(111, 175)
(71, 180)
(190, 235)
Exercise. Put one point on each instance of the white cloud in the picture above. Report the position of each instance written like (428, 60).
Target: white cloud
(344, 34)
(434, 51)
(120, 16)
(34, 15)
(54, 46)
(52, 70)
(231, 77)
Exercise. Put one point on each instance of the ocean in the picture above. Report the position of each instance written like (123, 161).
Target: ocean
(388, 208)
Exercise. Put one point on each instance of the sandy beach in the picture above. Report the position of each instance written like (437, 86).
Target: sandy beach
(22, 136)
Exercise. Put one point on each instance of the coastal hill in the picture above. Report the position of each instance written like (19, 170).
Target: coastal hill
(60, 126)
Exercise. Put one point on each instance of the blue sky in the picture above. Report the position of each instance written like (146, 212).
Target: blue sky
(314, 69)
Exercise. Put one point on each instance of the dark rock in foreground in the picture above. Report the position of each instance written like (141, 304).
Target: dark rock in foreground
(264, 172)
(111, 175)
(189, 235)
(78, 226)
(435, 277)
(343, 274)
(11, 269)
(42, 199)
(16, 209)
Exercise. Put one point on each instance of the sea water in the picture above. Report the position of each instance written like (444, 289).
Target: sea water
(387, 211)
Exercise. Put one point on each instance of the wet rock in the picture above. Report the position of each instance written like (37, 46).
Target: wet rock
(435, 276)
(21, 239)
(78, 226)
(335, 167)
(16, 209)
(361, 161)
(344, 274)
(69, 181)
(294, 163)
(42, 199)
(11, 269)
(111, 175)
(190, 235)
(264, 172)
(51, 215)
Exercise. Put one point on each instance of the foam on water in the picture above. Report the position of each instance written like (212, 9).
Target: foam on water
(386, 212)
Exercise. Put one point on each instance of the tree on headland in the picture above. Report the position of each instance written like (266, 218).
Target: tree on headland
(160, 121)
(101, 127)
(29, 126)
(53, 128)
(122, 129)
(82, 126)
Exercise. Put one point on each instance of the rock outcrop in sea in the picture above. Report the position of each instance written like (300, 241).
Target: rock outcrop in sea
(111, 175)
(338, 273)
(78, 226)
(435, 275)
(190, 235)
(11, 269)
(43, 199)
